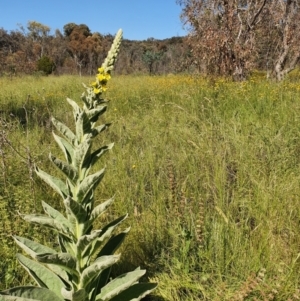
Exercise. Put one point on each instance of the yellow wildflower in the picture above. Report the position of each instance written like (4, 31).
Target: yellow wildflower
(101, 81)
(100, 77)
(97, 91)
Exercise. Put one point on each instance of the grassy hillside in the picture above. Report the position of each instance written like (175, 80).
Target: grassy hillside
(208, 169)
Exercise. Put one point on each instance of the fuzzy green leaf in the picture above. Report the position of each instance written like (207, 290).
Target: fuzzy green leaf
(83, 126)
(33, 248)
(12, 298)
(135, 292)
(76, 108)
(58, 218)
(85, 240)
(99, 129)
(103, 110)
(65, 146)
(47, 222)
(94, 114)
(89, 184)
(64, 130)
(75, 209)
(43, 276)
(53, 182)
(81, 154)
(100, 282)
(106, 233)
(31, 293)
(71, 186)
(98, 154)
(67, 169)
(110, 247)
(66, 244)
(113, 243)
(119, 284)
(79, 295)
(100, 209)
(64, 260)
(96, 268)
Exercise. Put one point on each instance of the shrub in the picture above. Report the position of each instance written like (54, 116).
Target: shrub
(46, 65)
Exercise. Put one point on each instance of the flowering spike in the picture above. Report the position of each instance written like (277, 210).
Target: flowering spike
(79, 270)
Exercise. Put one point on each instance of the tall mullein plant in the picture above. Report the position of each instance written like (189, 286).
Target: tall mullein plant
(80, 270)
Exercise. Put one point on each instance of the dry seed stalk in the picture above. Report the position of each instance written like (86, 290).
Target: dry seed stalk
(200, 224)
(249, 286)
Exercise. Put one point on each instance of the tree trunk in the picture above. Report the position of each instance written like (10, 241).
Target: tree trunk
(287, 59)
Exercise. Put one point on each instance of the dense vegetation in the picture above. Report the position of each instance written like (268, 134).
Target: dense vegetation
(207, 168)
(225, 38)
(79, 51)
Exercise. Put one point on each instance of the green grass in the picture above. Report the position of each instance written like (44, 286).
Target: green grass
(208, 169)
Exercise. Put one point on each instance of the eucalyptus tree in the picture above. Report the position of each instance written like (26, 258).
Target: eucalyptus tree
(223, 33)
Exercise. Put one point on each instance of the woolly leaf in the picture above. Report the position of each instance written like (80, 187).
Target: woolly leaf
(105, 234)
(96, 268)
(81, 154)
(100, 282)
(12, 298)
(64, 130)
(88, 184)
(113, 243)
(75, 209)
(103, 110)
(93, 158)
(53, 182)
(101, 208)
(31, 293)
(119, 284)
(58, 217)
(96, 112)
(32, 248)
(64, 260)
(65, 146)
(47, 222)
(83, 126)
(110, 247)
(79, 295)
(66, 244)
(67, 169)
(43, 276)
(76, 108)
(135, 292)
(85, 240)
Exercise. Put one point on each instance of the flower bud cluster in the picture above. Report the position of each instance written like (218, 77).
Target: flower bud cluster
(100, 84)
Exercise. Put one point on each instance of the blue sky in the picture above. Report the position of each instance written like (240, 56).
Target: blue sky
(139, 19)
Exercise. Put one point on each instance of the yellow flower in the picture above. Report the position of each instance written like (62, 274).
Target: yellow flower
(101, 77)
(97, 91)
(101, 80)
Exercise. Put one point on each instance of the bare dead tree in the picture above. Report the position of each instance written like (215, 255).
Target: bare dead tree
(287, 16)
(223, 33)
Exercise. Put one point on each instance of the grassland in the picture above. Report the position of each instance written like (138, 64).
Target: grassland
(208, 169)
